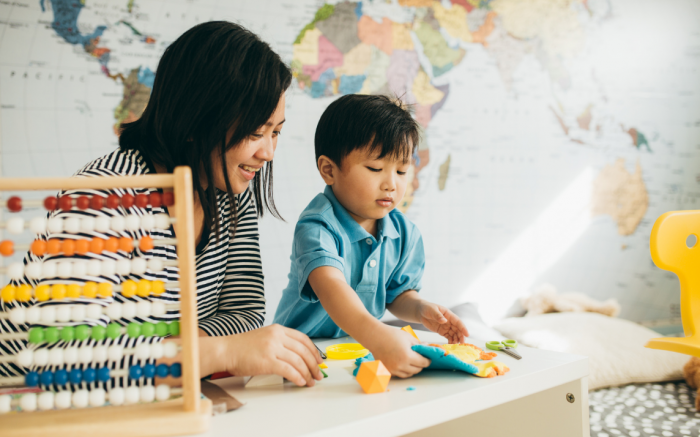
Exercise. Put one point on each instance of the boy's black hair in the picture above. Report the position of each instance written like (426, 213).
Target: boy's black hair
(214, 76)
(375, 123)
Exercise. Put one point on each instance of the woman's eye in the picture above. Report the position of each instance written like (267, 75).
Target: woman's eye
(374, 169)
(256, 135)
(277, 132)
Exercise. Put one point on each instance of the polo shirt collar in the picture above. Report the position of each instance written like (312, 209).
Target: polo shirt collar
(385, 226)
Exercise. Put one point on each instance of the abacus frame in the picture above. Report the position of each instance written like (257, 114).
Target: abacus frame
(186, 415)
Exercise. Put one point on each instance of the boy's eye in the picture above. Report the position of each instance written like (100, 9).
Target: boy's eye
(401, 172)
(374, 169)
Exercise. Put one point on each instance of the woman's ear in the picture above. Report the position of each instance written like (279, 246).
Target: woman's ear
(327, 168)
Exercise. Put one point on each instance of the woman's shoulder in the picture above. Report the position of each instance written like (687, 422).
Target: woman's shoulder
(117, 163)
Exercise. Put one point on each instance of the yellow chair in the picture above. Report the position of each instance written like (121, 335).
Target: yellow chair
(670, 252)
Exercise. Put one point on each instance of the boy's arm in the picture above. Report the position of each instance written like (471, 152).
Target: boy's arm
(390, 345)
(410, 307)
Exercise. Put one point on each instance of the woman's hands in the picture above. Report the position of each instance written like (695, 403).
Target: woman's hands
(439, 319)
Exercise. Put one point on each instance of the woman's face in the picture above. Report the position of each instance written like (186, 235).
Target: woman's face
(247, 158)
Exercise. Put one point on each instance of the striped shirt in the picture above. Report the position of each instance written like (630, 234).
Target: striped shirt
(230, 293)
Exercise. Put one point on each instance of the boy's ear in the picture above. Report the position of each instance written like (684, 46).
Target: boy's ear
(328, 169)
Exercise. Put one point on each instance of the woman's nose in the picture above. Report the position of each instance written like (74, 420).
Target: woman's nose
(267, 150)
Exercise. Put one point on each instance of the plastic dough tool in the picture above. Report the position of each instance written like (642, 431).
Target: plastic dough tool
(346, 351)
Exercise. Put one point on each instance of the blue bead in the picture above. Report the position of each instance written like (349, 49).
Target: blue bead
(103, 374)
(31, 379)
(60, 377)
(149, 370)
(75, 376)
(135, 372)
(89, 375)
(176, 370)
(162, 370)
(46, 377)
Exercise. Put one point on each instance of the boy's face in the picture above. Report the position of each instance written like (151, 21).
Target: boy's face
(369, 188)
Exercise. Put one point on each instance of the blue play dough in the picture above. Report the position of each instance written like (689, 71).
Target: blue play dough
(437, 357)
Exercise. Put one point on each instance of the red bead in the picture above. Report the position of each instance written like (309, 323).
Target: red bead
(141, 200)
(50, 203)
(97, 202)
(127, 201)
(65, 203)
(155, 199)
(168, 199)
(14, 204)
(112, 201)
(83, 202)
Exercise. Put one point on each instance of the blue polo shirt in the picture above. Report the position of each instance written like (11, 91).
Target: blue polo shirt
(378, 269)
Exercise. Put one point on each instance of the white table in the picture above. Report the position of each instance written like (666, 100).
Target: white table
(530, 400)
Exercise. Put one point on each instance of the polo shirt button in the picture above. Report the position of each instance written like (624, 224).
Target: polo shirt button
(368, 241)
(372, 263)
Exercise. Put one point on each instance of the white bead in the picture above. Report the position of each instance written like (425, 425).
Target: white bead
(158, 308)
(157, 351)
(155, 264)
(142, 351)
(97, 397)
(18, 315)
(99, 354)
(25, 357)
(71, 225)
(109, 267)
(41, 357)
(5, 404)
(33, 315)
(138, 266)
(132, 395)
(45, 401)
(15, 225)
(79, 269)
(102, 224)
(87, 224)
(80, 399)
(33, 270)
(163, 392)
(124, 266)
(162, 221)
(94, 267)
(48, 314)
(78, 313)
(15, 271)
(63, 313)
(116, 396)
(169, 349)
(70, 355)
(48, 270)
(129, 310)
(38, 225)
(55, 225)
(62, 400)
(56, 356)
(115, 352)
(94, 311)
(148, 222)
(85, 354)
(133, 222)
(28, 402)
(148, 393)
(64, 269)
(114, 311)
(143, 309)
(118, 223)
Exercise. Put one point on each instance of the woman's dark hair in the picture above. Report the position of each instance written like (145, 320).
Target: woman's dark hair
(374, 123)
(214, 76)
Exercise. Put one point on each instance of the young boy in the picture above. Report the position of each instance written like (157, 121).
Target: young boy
(354, 254)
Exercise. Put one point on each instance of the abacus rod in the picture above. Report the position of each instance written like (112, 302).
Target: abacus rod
(73, 183)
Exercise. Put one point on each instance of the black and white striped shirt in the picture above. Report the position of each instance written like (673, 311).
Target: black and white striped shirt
(230, 292)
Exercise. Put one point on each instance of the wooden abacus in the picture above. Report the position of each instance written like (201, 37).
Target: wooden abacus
(187, 414)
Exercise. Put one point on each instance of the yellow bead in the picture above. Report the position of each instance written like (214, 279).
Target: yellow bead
(157, 287)
(90, 290)
(42, 293)
(143, 288)
(73, 291)
(8, 293)
(128, 288)
(104, 289)
(58, 291)
(24, 293)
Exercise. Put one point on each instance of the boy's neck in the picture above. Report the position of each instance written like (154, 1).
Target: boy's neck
(369, 225)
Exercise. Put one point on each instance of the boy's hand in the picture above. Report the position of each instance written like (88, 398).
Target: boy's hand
(393, 348)
(439, 319)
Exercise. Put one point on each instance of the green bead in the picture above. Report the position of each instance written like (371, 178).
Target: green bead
(82, 332)
(36, 335)
(147, 329)
(133, 330)
(161, 329)
(52, 334)
(114, 330)
(98, 332)
(68, 333)
(174, 328)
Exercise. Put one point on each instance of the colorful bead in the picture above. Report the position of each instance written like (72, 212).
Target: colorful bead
(46, 377)
(90, 289)
(38, 247)
(82, 202)
(103, 374)
(112, 201)
(36, 335)
(73, 291)
(126, 244)
(127, 201)
(112, 244)
(98, 333)
(114, 330)
(82, 332)
(96, 202)
(157, 287)
(65, 203)
(133, 330)
(58, 291)
(53, 246)
(82, 247)
(68, 334)
(174, 328)
(104, 289)
(147, 329)
(155, 199)
(135, 372)
(60, 377)
(7, 248)
(8, 293)
(68, 247)
(162, 370)
(50, 203)
(161, 329)
(31, 379)
(168, 199)
(14, 204)
(176, 370)
(129, 288)
(97, 245)
(141, 200)
(42, 293)
(146, 243)
(75, 376)
(52, 334)
(149, 370)
(143, 288)
(89, 375)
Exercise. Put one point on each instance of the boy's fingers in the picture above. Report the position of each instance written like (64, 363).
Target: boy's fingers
(418, 360)
(306, 341)
(299, 365)
(309, 359)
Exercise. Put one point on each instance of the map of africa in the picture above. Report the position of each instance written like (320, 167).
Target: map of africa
(555, 131)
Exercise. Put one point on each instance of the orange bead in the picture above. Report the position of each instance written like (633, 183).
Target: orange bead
(146, 243)
(112, 245)
(97, 245)
(82, 247)
(7, 248)
(69, 247)
(126, 244)
(53, 246)
(38, 247)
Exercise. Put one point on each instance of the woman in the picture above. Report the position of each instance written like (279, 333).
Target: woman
(217, 106)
